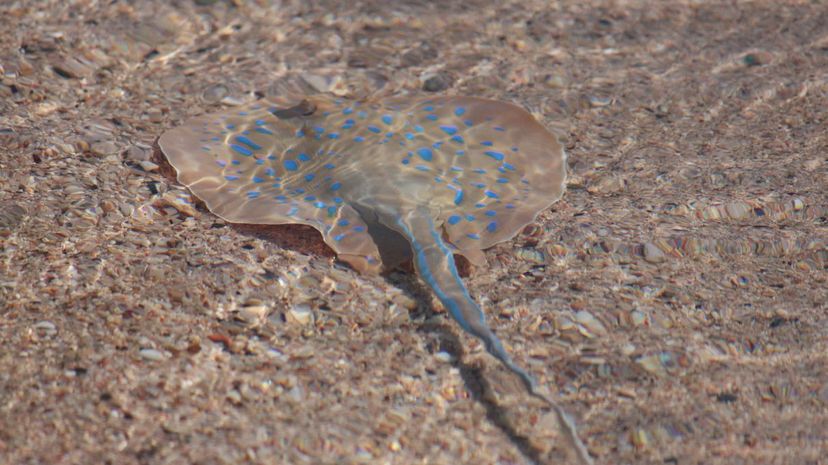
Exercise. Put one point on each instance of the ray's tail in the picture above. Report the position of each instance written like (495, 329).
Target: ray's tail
(434, 262)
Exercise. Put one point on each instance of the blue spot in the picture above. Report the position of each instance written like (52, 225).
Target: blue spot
(454, 219)
(270, 172)
(339, 237)
(276, 185)
(480, 171)
(450, 130)
(242, 113)
(319, 204)
(333, 135)
(231, 126)
(460, 152)
(418, 128)
(478, 185)
(303, 157)
(280, 197)
(318, 129)
(431, 117)
(491, 227)
(458, 139)
(509, 166)
(292, 211)
(487, 143)
(491, 195)
(406, 161)
(389, 135)
(215, 139)
(480, 205)
(502, 180)
(428, 108)
(336, 186)
(253, 195)
(459, 111)
(491, 213)
(425, 153)
(374, 129)
(230, 177)
(359, 229)
(329, 166)
(221, 163)
(259, 161)
(300, 133)
(496, 155)
(343, 223)
(468, 122)
(290, 165)
(257, 179)
(458, 196)
(422, 168)
(362, 114)
(514, 149)
(498, 128)
(309, 177)
(242, 150)
(469, 217)
(264, 131)
(359, 139)
(437, 144)
(347, 111)
(456, 168)
(260, 122)
(248, 142)
(387, 119)
(331, 210)
(473, 236)
(310, 198)
(409, 136)
(337, 199)
(299, 191)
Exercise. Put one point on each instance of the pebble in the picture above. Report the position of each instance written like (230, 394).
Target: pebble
(444, 357)
(180, 201)
(45, 328)
(253, 311)
(738, 210)
(215, 93)
(148, 166)
(152, 355)
(531, 255)
(103, 148)
(597, 102)
(639, 438)
(653, 254)
(758, 58)
(138, 154)
(11, 215)
(300, 314)
(590, 323)
(436, 82)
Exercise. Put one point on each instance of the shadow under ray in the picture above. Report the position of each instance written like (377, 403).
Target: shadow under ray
(473, 376)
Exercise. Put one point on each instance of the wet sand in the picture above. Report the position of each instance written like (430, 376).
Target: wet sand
(673, 301)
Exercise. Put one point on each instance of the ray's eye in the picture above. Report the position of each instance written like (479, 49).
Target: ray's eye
(301, 110)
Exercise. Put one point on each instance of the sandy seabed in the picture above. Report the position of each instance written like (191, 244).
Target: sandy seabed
(674, 301)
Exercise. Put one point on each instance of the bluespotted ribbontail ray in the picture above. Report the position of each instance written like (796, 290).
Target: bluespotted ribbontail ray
(447, 175)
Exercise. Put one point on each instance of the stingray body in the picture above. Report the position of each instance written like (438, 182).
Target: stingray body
(383, 181)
